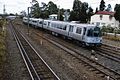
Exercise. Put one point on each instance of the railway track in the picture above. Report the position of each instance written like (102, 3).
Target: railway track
(38, 69)
(109, 52)
(98, 68)
(91, 64)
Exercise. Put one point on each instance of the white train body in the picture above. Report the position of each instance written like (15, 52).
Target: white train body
(87, 34)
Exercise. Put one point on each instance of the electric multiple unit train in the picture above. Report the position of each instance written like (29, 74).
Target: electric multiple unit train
(85, 34)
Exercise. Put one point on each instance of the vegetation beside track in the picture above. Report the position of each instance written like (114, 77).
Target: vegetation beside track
(112, 37)
(2, 44)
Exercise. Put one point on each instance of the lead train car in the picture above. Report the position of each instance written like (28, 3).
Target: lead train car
(86, 34)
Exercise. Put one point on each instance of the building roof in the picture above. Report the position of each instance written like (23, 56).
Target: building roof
(53, 15)
(105, 13)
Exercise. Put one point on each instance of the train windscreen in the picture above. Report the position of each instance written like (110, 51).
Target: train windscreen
(96, 32)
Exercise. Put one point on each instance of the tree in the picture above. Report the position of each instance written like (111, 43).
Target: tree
(83, 13)
(90, 13)
(75, 13)
(117, 12)
(80, 12)
(77, 5)
(35, 9)
(44, 11)
(102, 5)
(74, 16)
(109, 8)
(52, 8)
(96, 10)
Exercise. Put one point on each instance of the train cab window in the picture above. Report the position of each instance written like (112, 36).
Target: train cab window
(84, 31)
(48, 23)
(71, 28)
(79, 30)
(96, 32)
(90, 33)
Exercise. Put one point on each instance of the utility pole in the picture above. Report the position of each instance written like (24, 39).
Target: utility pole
(4, 9)
(59, 12)
(28, 19)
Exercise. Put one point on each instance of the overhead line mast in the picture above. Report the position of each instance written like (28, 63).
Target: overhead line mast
(4, 10)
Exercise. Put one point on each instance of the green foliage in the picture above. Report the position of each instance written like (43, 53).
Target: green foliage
(81, 12)
(96, 10)
(102, 5)
(117, 12)
(109, 8)
(35, 10)
(77, 5)
(104, 29)
(109, 29)
(90, 13)
(44, 11)
(74, 16)
(52, 8)
(118, 31)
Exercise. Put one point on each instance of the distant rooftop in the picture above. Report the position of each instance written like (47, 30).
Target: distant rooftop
(105, 13)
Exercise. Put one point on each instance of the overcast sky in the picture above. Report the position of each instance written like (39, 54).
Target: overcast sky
(16, 6)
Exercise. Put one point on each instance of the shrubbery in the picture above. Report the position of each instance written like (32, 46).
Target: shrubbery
(108, 29)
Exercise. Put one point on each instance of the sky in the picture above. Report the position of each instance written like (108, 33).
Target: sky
(16, 6)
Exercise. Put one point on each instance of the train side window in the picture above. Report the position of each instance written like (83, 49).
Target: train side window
(45, 23)
(71, 28)
(48, 23)
(84, 31)
(79, 30)
(40, 22)
(64, 28)
(61, 26)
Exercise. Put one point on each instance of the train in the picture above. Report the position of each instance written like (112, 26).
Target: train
(85, 34)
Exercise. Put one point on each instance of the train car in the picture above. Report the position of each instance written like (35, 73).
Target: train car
(35, 22)
(46, 24)
(25, 20)
(86, 34)
(59, 27)
(40, 23)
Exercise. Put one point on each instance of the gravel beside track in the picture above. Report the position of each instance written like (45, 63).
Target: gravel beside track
(38, 68)
(14, 68)
(112, 43)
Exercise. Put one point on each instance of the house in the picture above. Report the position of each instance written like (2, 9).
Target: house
(53, 17)
(104, 18)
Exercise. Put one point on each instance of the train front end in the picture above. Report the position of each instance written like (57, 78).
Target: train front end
(93, 37)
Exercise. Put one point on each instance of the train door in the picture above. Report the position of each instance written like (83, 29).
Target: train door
(84, 33)
(70, 32)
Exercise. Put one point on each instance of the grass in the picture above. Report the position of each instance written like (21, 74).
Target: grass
(2, 41)
(2, 45)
